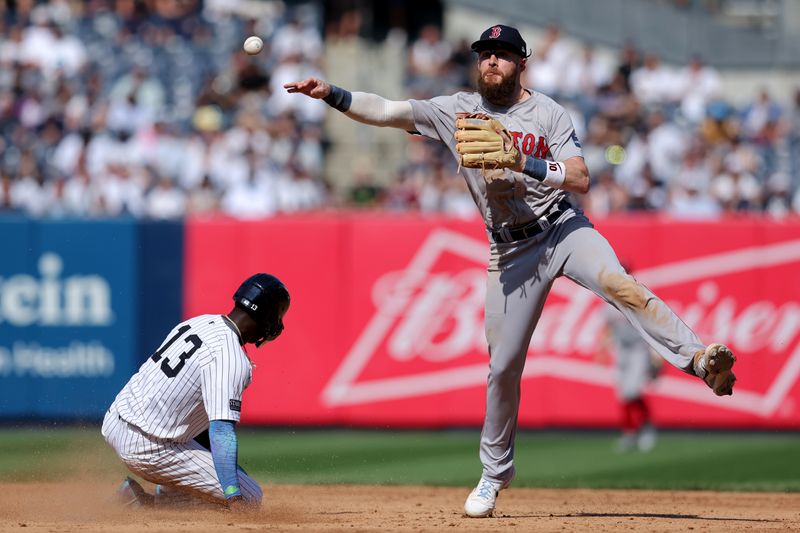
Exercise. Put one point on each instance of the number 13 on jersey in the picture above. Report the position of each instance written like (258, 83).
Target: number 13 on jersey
(172, 371)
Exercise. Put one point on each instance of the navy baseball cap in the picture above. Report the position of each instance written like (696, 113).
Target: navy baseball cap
(500, 36)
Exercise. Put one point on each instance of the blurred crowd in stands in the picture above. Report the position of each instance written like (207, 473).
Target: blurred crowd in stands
(655, 137)
(117, 108)
(112, 108)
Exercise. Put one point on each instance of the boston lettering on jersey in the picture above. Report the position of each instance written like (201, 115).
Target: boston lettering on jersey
(529, 145)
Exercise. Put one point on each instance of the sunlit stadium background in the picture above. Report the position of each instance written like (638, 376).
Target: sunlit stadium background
(147, 165)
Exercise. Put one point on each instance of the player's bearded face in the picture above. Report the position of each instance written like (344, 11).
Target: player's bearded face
(498, 80)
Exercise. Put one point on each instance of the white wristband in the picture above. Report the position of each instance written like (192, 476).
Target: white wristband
(556, 174)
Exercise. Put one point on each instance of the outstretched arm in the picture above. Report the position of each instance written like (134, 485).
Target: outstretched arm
(363, 107)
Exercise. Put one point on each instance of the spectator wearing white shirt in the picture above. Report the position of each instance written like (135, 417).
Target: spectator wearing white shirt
(54, 190)
(32, 112)
(697, 84)
(760, 114)
(127, 117)
(68, 54)
(584, 74)
(693, 169)
(202, 200)
(165, 201)
(250, 200)
(549, 62)
(429, 52)
(38, 43)
(778, 200)
(251, 129)
(738, 191)
(142, 89)
(28, 194)
(741, 157)
(296, 190)
(309, 154)
(69, 150)
(284, 140)
(653, 84)
(80, 198)
(692, 204)
(205, 153)
(101, 149)
(666, 144)
(427, 58)
(255, 196)
(120, 192)
(296, 36)
(11, 47)
(27, 188)
(161, 149)
(456, 199)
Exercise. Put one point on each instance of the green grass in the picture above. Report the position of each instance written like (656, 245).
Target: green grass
(721, 461)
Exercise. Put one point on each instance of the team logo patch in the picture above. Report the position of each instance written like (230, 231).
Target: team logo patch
(235, 405)
(574, 138)
(495, 32)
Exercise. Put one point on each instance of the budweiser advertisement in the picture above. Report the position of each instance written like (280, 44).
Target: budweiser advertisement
(386, 323)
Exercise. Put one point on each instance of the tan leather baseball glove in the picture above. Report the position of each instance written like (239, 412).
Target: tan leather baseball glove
(484, 142)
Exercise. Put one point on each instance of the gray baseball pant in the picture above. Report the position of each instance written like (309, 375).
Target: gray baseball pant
(519, 279)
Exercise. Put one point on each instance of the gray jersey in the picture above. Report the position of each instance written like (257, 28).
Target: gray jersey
(198, 374)
(540, 128)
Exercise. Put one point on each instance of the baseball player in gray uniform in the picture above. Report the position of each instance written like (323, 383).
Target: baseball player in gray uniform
(534, 233)
(635, 368)
(173, 423)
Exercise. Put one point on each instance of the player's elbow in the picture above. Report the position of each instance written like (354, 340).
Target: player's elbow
(578, 183)
(577, 176)
(582, 183)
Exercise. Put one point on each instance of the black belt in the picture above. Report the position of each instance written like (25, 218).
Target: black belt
(533, 228)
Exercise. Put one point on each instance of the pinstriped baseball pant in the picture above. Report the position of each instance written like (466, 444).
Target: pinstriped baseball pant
(184, 466)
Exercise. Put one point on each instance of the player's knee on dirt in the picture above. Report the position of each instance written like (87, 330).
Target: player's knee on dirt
(251, 490)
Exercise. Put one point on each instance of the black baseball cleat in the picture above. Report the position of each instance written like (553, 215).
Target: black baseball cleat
(131, 494)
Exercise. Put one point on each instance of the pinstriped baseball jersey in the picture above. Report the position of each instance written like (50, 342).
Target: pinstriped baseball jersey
(198, 374)
(538, 126)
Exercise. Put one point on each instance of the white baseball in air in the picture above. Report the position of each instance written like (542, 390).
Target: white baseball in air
(253, 45)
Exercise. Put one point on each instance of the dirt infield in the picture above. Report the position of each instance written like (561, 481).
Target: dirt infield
(85, 507)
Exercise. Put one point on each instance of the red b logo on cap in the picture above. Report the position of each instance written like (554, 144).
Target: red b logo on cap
(495, 32)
